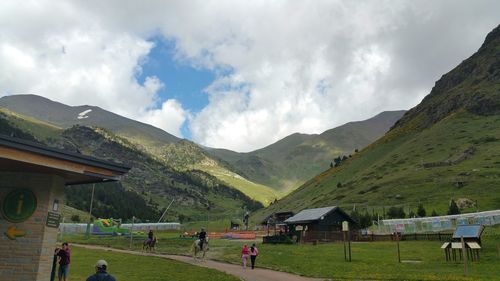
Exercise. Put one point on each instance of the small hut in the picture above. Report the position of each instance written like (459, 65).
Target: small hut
(320, 219)
(277, 218)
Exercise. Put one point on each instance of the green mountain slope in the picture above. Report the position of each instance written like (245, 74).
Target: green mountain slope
(149, 186)
(446, 147)
(179, 154)
(65, 116)
(289, 162)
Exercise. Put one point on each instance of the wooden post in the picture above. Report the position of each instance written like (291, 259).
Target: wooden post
(349, 243)
(397, 242)
(345, 250)
(131, 232)
(464, 255)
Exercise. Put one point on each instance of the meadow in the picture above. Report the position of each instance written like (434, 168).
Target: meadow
(131, 267)
(421, 260)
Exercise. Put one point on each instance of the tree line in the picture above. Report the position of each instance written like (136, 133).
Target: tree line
(366, 219)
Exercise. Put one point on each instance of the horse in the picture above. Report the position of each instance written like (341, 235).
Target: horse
(195, 248)
(150, 245)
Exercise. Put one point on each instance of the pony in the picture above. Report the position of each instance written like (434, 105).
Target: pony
(195, 248)
(150, 245)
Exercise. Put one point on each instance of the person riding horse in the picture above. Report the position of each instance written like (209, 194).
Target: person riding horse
(150, 236)
(203, 237)
(150, 243)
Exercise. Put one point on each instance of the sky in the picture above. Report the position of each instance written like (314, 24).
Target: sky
(238, 74)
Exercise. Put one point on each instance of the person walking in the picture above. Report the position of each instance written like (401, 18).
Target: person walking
(64, 255)
(100, 272)
(254, 252)
(245, 252)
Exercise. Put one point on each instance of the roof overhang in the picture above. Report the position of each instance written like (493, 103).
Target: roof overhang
(23, 156)
(300, 222)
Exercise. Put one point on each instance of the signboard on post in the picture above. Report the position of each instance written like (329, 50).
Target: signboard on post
(53, 219)
(345, 226)
(345, 231)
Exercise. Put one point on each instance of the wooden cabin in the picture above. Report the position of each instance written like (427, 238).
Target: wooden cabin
(320, 219)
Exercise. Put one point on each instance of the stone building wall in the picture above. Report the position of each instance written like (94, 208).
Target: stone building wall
(29, 257)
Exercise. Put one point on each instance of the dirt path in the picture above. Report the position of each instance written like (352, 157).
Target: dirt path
(248, 274)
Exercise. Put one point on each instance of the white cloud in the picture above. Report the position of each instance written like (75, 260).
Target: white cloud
(283, 66)
(62, 52)
(169, 117)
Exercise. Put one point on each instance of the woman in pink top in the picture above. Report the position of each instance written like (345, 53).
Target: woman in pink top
(253, 255)
(245, 252)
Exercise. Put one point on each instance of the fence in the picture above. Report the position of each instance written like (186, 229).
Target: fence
(337, 236)
(439, 223)
(69, 228)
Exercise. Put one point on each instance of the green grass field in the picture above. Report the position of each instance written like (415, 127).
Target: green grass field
(422, 260)
(130, 267)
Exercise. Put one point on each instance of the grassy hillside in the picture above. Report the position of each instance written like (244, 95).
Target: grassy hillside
(71, 214)
(149, 186)
(186, 155)
(446, 147)
(44, 119)
(289, 162)
(65, 116)
(256, 191)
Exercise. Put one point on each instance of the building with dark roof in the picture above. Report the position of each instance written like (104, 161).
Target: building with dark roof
(277, 218)
(320, 219)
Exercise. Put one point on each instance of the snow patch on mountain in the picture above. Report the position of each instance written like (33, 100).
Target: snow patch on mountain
(83, 115)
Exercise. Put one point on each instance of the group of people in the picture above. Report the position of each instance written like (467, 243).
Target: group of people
(64, 256)
(101, 274)
(251, 252)
(246, 252)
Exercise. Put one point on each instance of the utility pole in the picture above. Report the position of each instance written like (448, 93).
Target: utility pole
(161, 218)
(92, 200)
(132, 232)
(90, 211)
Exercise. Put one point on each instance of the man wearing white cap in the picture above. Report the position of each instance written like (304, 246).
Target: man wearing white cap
(100, 272)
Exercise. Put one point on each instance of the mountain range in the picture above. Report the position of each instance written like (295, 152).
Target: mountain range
(289, 162)
(165, 167)
(264, 175)
(447, 147)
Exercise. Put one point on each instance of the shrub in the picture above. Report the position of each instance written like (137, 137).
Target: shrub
(453, 208)
(421, 211)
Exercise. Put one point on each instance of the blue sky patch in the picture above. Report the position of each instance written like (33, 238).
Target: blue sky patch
(182, 82)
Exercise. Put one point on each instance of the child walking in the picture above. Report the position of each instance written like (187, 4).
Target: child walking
(244, 255)
(253, 254)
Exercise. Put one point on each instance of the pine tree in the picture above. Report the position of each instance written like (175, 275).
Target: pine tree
(453, 209)
(412, 214)
(421, 211)
(396, 213)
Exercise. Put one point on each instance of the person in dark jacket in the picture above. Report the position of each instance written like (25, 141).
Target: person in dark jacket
(64, 255)
(151, 236)
(254, 252)
(100, 272)
(203, 237)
